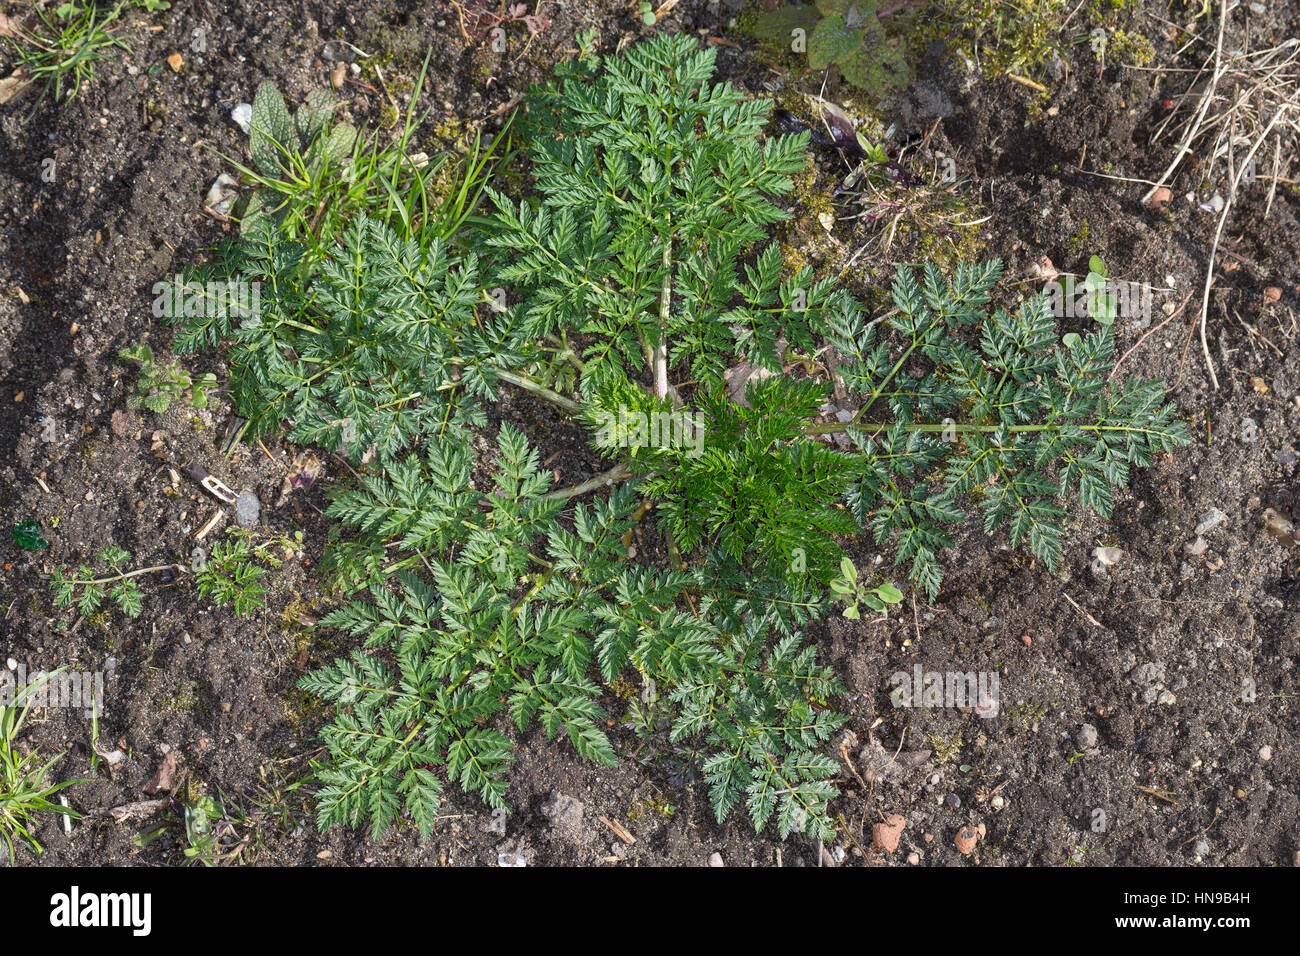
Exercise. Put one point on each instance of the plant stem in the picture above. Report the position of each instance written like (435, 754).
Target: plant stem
(616, 474)
(130, 574)
(665, 303)
(541, 391)
(831, 428)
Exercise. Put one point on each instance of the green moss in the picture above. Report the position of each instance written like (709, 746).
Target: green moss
(961, 244)
(1080, 238)
(1021, 717)
(945, 749)
(1130, 48)
(184, 699)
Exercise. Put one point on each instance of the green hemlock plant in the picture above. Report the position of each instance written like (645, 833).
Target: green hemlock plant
(358, 352)
(502, 606)
(363, 312)
(87, 592)
(641, 279)
(232, 576)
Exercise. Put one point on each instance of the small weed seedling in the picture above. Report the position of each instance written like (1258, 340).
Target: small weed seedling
(849, 590)
(848, 34)
(205, 829)
(314, 173)
(160, 385)
(233, 576)
(83, 588)
(1101, 303)
(27, 535)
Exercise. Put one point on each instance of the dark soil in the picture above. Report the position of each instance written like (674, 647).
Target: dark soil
(1176, 767)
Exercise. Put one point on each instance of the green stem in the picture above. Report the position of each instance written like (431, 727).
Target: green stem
(128, 574)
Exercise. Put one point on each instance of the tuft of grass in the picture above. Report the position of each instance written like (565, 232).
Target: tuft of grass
(25, 787)
(313, 174)
(62, 53)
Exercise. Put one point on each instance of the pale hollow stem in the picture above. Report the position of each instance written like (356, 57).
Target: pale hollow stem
(541, 391)
(821, 428)
(616, 474)
(832, 428)
(129, 574)
(665, 302)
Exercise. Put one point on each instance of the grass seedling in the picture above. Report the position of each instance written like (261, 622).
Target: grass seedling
(314, 173)
(62, 56)
(25, 787)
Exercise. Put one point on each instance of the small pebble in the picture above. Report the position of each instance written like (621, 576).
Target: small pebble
(11, 664)
(1266, 753)
(243, 117)
(222, 195)
(885, 835)
(915, 858)
(966, 839)
(997, 803)
(1211, 519)
(1086, 738)
(247, 509)
(1107, 556)
(715, 859)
